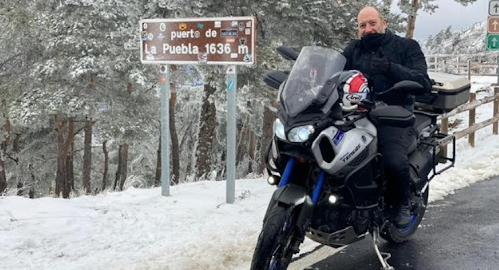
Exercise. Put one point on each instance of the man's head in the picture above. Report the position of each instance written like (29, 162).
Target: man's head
(370, 21)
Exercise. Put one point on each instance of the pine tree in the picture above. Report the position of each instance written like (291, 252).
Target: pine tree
(411, 8)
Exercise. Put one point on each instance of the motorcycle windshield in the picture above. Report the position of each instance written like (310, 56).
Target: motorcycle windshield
(314, 66)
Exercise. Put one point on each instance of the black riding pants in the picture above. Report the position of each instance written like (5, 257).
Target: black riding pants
(393, 143)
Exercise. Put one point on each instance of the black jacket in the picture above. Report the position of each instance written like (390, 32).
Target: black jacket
(407, 63)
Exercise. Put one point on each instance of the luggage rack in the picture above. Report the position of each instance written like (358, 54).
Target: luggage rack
(442, 140)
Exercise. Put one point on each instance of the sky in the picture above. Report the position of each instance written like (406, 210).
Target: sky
(450, 13)
(194, 228)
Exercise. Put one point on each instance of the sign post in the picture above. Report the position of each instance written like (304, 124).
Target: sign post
(165, 130)
(227, 41)
(493, 30)
(231, 132)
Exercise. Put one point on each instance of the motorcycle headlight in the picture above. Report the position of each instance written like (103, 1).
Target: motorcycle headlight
(279, 129)
(300, 134)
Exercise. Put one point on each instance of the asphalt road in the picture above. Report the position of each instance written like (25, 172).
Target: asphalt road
(458, 233)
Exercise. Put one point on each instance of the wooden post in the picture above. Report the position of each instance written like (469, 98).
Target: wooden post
(436, 63)
(496, 111)
(471, 136)
(469, 70)
(458, 63)
(479, 65)
(444, 128)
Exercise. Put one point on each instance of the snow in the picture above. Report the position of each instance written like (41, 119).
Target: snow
(192, 229)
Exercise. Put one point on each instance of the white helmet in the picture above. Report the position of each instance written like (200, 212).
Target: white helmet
(355, 90)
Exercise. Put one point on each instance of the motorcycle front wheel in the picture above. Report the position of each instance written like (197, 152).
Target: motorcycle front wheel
(272, 250)
(393, 234)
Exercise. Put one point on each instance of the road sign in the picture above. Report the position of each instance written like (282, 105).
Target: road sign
(212, 41)
(493, 42)
(493, 24)
(494, 8)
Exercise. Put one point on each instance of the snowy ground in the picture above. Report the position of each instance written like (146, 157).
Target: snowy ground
(192, 229)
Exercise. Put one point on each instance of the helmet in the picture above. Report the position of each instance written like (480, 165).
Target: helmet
(355, 89)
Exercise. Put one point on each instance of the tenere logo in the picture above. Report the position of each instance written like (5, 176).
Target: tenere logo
(347, 156)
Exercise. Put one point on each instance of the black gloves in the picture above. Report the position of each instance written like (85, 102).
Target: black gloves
(379, 64)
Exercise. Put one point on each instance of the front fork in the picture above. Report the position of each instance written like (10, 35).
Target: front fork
(316, 192)
(295, 196)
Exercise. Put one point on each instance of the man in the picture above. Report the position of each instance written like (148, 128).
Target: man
(387, 59)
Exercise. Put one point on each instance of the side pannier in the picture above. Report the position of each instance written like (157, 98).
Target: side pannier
(448, 92)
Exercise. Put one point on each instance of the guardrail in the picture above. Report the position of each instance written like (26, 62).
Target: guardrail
(474, 64)
(472, 126)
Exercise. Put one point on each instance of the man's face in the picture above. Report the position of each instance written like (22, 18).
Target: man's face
(369, 22)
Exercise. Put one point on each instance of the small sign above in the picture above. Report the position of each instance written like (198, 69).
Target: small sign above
(210, 41)
(494, 8)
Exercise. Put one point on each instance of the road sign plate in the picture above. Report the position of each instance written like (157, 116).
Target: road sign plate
(494, 8)
(212, 41)
(493, 42)
(493, 24)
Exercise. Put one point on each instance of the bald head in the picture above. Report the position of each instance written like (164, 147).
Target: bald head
(370, 21)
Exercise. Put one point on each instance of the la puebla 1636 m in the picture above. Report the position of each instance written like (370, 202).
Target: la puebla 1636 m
(181, 49)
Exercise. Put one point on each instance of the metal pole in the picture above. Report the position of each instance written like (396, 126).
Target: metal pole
(496, 110)
(165, 130)
(444, 128)
(231, 132)
(469, 69)
(471, 136)
(497, 71)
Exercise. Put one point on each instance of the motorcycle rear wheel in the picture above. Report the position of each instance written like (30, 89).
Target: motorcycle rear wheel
(393, 234)
(272, 250)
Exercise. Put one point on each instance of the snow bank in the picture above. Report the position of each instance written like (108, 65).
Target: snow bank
(193, 229)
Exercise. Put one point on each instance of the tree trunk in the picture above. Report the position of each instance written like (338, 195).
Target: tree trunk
(251, 151)
(31, 193)
(17, 139)
(3, 175)
(157, 179)
(87, 156)
(70, 169)
(20, 189)
(243, 142)
(118, 170)
(64, 157)
(124, 165)
(208, 122)
(173, 134)
(69, 145)
(411, 23)
(4, 143)
(269, 116)
(60, 179)
(105, 175)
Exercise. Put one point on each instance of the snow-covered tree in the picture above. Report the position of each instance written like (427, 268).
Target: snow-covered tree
(411, 8)
(78, 86)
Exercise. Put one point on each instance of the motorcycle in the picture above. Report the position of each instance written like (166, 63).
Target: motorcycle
(324, 161)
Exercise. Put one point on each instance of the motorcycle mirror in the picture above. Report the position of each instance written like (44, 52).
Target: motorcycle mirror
(274, 78)
(287, 52)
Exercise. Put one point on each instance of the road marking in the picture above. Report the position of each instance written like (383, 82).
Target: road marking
(316, 256)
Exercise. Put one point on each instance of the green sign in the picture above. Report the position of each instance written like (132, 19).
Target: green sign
(492, 42)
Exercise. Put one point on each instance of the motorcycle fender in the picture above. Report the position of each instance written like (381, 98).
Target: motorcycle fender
(290, 194)
(294, 196)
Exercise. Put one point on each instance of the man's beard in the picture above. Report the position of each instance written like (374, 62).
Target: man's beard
(383, 31)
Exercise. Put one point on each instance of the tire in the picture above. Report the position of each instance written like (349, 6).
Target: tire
(393, 234)
(272, 249)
